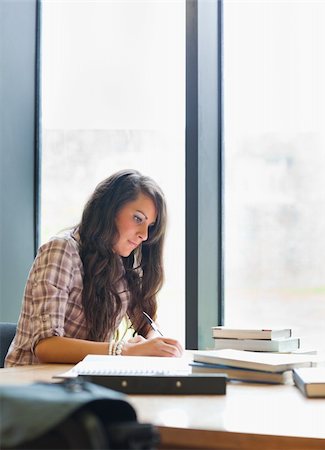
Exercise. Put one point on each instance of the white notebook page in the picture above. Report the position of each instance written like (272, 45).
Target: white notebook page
(129, 365)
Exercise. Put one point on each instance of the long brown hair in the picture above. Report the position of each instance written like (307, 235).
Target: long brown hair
(102, 267)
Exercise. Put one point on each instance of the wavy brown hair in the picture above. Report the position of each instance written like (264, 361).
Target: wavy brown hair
(102, 267)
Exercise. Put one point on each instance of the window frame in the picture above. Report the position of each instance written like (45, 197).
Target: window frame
(204, 172)
(20, 118)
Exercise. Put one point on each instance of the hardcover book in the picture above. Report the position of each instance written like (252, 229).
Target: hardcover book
(245, 333)
(310, 380)
(261, 345)
(238, 374)
(271, 362)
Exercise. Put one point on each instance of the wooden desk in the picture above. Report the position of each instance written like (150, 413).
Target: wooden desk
(250, 416)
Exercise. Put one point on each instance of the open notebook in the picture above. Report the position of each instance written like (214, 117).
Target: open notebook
(146, 375)
(129, 365)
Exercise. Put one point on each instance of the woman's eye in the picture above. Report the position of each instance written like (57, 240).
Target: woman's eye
(138, 219)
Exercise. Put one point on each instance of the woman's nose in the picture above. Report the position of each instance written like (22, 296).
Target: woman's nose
(143, 232)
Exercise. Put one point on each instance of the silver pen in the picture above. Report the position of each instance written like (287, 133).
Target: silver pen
(152, 323)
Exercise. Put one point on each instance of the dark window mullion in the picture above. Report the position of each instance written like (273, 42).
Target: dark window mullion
(191, 177)
(204, 289)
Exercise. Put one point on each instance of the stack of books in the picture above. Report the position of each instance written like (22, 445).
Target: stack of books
(260, 340)
(263, 367)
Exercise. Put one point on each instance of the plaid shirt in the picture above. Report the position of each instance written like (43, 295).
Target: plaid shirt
(52, 300)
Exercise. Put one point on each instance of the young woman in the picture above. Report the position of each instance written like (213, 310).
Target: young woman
(87, 289)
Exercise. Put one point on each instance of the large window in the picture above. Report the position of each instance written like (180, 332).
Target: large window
(274, 104)
(113, 97)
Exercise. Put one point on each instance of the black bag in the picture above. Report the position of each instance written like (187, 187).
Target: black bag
(70, 415)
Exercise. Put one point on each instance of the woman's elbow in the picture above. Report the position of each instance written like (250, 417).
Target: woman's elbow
(42, 351)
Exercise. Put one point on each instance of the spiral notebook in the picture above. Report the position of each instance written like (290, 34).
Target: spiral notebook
(146, 375)
(128, 365)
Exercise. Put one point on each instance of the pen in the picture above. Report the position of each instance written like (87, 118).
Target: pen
(152, 323)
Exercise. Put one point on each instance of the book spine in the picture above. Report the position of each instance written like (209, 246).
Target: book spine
(299, 383)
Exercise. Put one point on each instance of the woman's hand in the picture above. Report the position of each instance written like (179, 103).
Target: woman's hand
(158, 346)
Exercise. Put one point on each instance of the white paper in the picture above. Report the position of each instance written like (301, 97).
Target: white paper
(129, 365)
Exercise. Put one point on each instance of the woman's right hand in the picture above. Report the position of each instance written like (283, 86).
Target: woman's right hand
(158, 346)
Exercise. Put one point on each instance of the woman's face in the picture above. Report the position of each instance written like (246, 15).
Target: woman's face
(132, 223)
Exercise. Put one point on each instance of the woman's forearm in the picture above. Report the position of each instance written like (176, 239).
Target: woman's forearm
(59, 349)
